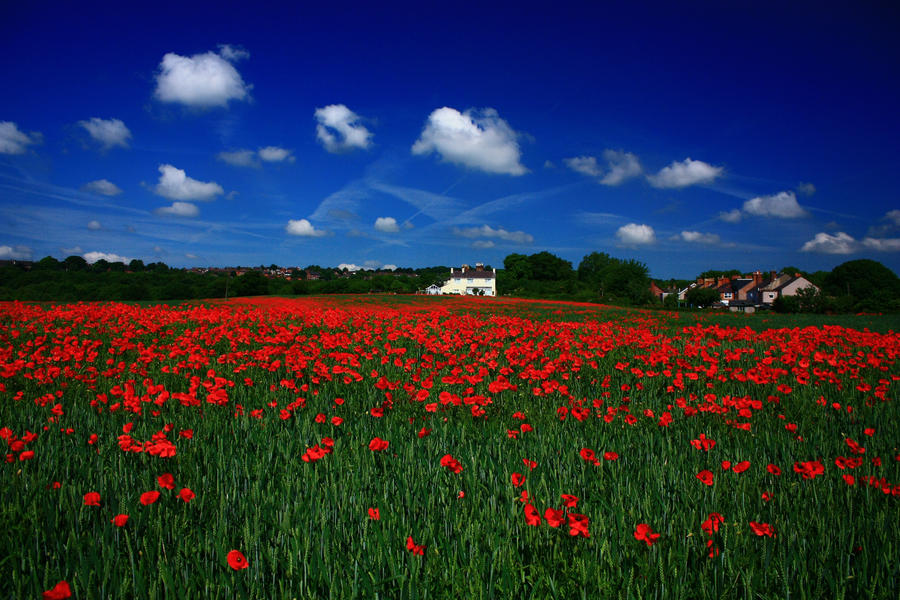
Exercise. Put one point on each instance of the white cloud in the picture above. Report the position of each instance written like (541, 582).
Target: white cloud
(387, 224)
(340, 130)
(622, 166)
(480, 140)
(893, 216)
(109, 132)
(174, 184)
(94, 225)
(636, 235)
(699, 238)
(350, 267)
(483, 244)
(303, 228)
(15, 253)
(824, 243)
(732, 216)
(232, 54)
(239, 158)
(388, 267)
(783, 205)
(179, 209)
(486, 231)
(13, 141)
(807, 189)
(882, 244)
(102, 186)
(275, 154)
(685, 173)
(586, 165)
(202, 80)
(92, 257)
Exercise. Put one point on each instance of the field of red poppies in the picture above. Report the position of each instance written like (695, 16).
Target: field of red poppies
(431, 448)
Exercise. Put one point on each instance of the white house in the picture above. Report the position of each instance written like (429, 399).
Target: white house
(473, 282)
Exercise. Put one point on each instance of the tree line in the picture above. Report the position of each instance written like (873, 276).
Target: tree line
(855, 286)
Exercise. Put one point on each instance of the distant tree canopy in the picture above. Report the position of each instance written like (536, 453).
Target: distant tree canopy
(864, 284)
(702, 297)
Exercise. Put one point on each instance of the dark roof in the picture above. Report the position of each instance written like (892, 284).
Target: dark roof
(472, 274)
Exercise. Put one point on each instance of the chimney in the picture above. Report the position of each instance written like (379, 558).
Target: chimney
(772, 275)
(757, 277)
(735, 277)
(797, 275)
(722, 281)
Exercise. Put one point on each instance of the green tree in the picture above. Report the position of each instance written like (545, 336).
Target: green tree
(75, 263)
(701, 297)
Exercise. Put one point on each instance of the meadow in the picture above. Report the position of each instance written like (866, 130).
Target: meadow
(414, 447)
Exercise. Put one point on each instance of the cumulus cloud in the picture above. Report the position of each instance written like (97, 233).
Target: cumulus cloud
(179, 209)
(232, 53)
(15, 253)
(882, 244)
(782, 205)
(102, 186)
(824, 243)
(685, 173)
(202, 80)
(636, 235)
(275, 154)
(387, 225)
(239, 158)
(109, 132)
(483, 244)
(699, 238)
(350, 267)
(586, 165)
(340, 130)
(174, 184)
(92, 257)
(94, 225)
(622, 166)
(475, 139)
(388, 267)
(13, 141)
(303, 228)
(486, 231)
(732, 216)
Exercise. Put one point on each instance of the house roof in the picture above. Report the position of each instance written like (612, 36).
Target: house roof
(472, 274)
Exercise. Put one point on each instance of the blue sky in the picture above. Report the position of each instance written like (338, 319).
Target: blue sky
(690, 136)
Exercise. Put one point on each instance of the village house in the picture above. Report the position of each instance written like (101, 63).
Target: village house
(478, 281)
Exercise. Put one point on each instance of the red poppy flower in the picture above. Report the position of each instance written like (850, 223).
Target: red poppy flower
(166, 481)
(705, 476)
(92, 499)
(554, 517)
(423, 432)
(569, 500)
(531, 515)
(59, 592)
(773, 469)
(27, 455)
(610, 456)
(374, 514)
(643, 533)
(578, 525)
(517, 479)
(741, 466)
(849, 479)
(237, 561)
(414, 547)
(711, 524)
(713, 550)
(451, 463)
(377, 444)
(529, 463)
(761, 529)
(767, 496)
(119, 520)
(149, 497)
(588, 455)
(186, 494)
